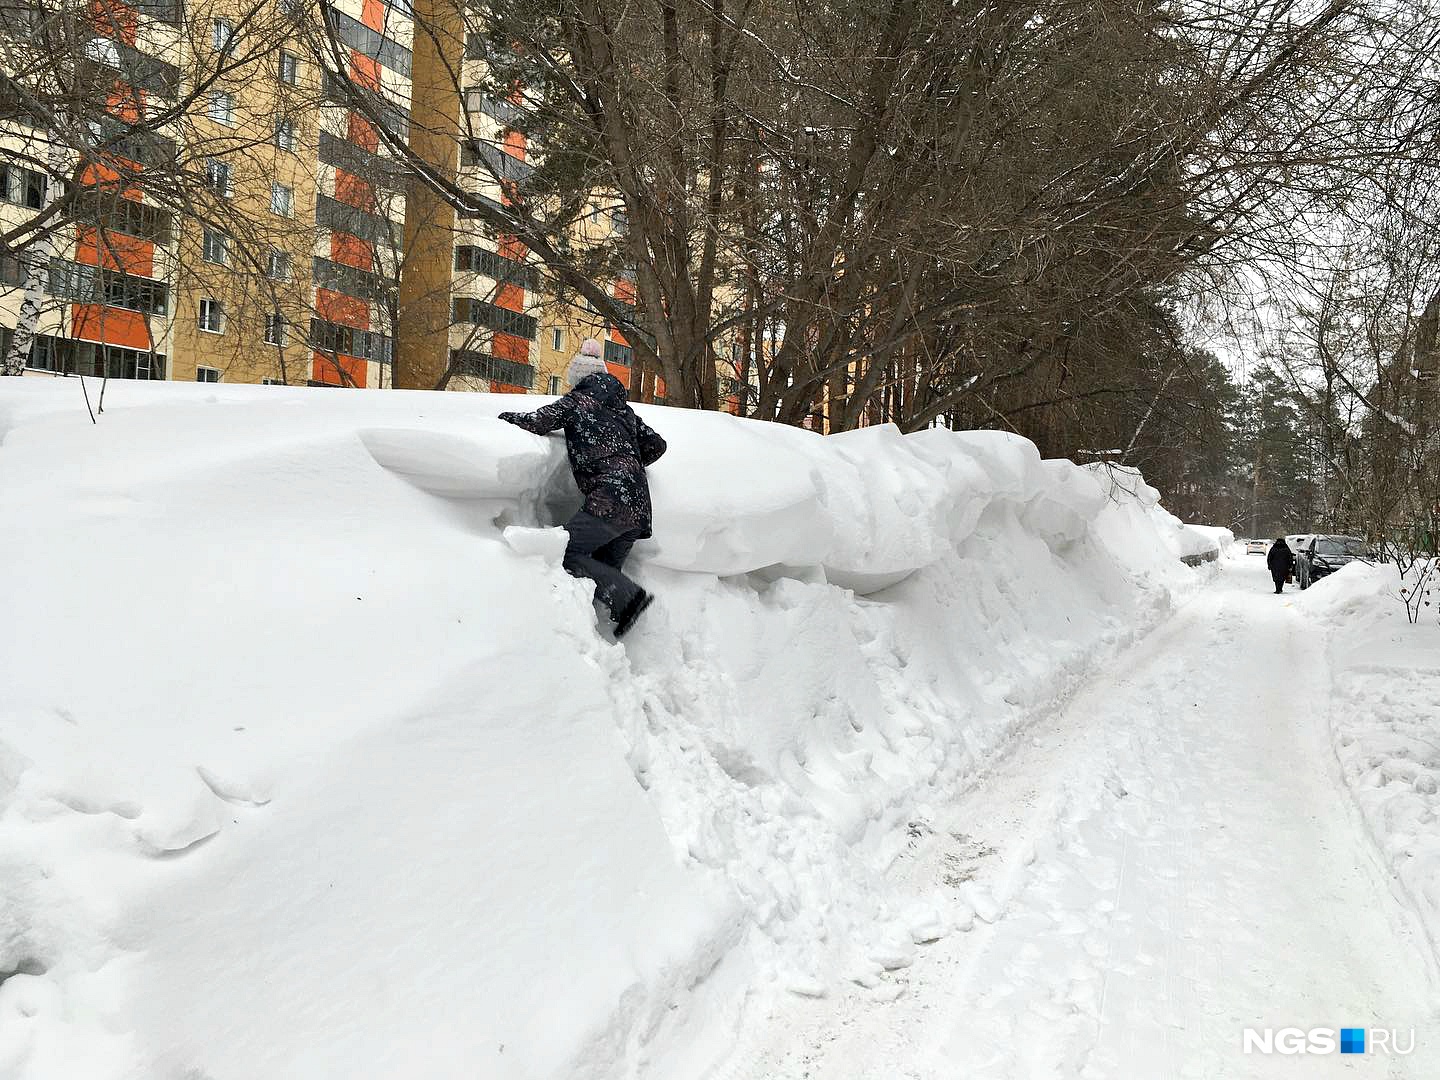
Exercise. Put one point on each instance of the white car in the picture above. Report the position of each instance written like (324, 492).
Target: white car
(1257, 547)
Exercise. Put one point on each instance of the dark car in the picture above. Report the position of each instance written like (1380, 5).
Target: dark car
(1324, 555)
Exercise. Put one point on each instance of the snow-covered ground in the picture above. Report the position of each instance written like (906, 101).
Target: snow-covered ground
(1384, 681)
(1173, 859)
(313, 762)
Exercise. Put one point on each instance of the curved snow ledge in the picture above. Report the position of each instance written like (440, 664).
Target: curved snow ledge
(868, 508)
(313, 763)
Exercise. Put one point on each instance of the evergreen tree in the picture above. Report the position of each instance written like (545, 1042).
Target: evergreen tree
(1273, 448)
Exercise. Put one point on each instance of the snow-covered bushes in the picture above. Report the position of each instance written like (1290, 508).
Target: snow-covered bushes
(313, 763)
(1418, 589)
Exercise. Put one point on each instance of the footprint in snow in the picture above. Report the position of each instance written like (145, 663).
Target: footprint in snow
(233, 791)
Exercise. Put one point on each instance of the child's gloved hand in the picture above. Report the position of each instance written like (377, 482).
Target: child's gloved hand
(509, 417)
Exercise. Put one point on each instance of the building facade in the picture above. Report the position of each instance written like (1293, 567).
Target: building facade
(302, 261)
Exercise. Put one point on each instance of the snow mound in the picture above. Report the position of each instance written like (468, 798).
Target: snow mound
(313, 762)
(1356, 589)
(1386, 675)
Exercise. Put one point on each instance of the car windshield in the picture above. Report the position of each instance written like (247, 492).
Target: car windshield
(1342, 545)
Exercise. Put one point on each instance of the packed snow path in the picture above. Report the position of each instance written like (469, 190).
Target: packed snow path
(1173, 859)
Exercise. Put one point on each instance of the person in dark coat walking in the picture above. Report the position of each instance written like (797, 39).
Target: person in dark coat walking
(609, 448)
(1281, 561)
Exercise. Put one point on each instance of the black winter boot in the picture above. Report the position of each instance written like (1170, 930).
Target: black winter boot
(632, 612)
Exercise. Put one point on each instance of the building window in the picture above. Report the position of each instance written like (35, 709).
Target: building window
(275, 329)
(342, 91)
(222, 34)
(615, 353)
(66, 355)
(508, 113)
(335, 338)
(346, 30)
(218, 177)
(212, 318)
(467, 309)
(267, 381)
(215, 247)
(13, 271)
(207, 374)
(112, 215)
(497, 369)
(282, 200)
(383, 172)
(557, 339)
(278, 267)
(285, 135)
(289, 68)
(342, 217)
(506, 271)
(555, 384)
(222, 108)
(88, 284)
(21, 186)
(351, 281)
(167, 11)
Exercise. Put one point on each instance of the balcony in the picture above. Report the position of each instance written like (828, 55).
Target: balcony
(85, 284)
(485, 366)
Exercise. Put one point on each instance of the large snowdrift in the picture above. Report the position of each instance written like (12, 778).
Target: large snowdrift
(1386, 675)
(314, 763)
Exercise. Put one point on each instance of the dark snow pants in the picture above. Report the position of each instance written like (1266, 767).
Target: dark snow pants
(1279, 577)
(597, 550)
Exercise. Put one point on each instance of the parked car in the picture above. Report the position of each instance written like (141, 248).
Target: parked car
(1257, 547)
(1324, 555)
(1297, 543)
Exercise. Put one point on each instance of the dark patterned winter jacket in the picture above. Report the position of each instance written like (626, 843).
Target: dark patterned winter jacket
(1280, 559)
(609, 447)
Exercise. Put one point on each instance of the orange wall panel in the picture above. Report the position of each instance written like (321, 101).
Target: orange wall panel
(126, 102)
(511, 298)
(115, 20)
(625, 290)
(352, 251)
(365, 71)
(325, 371)
(362, 133)
(510, 347)
(515, 144)
(101, 176)
(353, 191)
(620, 371)
(113, 326)
(339, 308)
(121, 252)
(372, 14)
(497, 387)
(510, 247)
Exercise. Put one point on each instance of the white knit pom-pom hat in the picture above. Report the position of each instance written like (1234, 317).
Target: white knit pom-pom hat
(589, 362)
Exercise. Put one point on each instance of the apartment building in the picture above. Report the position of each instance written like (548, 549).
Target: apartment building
(98, 300)
(291, 270)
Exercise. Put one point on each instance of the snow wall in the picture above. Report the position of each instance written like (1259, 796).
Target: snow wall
(313, 762)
